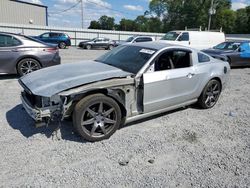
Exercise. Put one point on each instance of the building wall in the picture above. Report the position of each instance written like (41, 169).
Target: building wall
(22, 13)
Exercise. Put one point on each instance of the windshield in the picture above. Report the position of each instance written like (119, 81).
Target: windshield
(171, 36)
(227, 46)
(129, 39)
(128, 58)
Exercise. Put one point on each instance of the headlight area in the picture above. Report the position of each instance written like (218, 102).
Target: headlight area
(43, 109)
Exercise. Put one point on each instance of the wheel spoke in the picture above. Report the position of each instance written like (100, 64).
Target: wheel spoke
(216, 92)
(93, 129)
(100, 110)
(108, 112)
(107, 120)
(87, 122)
(207, 100)
(91, 112)
(103, 129)
(215, 86)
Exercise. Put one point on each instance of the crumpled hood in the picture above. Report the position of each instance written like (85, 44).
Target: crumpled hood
(52, 80)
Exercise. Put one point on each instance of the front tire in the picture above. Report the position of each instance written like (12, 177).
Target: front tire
(96, 117)
(210, 94)
(27, 65)
(110, 47)
(88, 47)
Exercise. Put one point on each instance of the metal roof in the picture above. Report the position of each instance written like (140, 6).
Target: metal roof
(34, 4)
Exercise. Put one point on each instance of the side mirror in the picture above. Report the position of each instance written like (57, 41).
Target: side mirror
(180, 38)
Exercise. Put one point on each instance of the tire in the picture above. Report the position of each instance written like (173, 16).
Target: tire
(110, 47)
(88, 47)
(27, 65)
(210, 94)
(62, 45)
(96, 117)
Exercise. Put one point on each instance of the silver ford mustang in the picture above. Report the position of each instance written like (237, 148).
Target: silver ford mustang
(130, 82)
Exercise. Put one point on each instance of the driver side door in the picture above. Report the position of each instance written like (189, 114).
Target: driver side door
(171, 85)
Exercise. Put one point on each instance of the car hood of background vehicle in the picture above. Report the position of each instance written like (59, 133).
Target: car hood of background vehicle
(50, 81)
(215, 51)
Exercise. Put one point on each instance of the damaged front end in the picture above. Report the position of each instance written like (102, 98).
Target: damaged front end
(43, 109)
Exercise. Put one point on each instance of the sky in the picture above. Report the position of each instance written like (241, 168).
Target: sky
(59, 15)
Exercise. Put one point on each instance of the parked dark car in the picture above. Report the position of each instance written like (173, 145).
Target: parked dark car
(236, 52)
(21, 55)
(98, 43)
(61, 39)
(135, 39)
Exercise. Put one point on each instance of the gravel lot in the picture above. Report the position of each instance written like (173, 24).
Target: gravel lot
(185, 148)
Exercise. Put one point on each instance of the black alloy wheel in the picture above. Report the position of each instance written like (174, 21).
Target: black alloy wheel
(96, 117)
(210, 94)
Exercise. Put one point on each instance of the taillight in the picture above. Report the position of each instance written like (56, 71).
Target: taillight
(51, 50)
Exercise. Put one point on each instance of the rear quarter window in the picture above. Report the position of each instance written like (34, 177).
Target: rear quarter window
(202, 58)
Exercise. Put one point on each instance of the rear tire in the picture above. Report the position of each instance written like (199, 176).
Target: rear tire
(210, 94)
(62, 45)
(27, 65)
(96, 117)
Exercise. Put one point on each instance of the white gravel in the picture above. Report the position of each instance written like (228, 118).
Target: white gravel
(184, 148)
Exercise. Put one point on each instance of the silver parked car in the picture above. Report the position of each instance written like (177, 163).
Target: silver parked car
(130, 82)
(21, 55)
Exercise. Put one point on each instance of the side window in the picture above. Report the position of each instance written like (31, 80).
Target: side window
(143, 39)
(173, 60)
(45, 35)
(184, 37)
(54, 35)
(8, 41)
(202, 58)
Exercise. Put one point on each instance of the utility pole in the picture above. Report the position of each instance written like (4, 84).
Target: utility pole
(211, 12)
(82, 13)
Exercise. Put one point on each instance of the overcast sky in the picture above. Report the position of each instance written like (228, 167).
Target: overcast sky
(93, 9)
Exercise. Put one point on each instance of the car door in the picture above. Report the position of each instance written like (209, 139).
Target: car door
(244, 54)
(8, 53)
(184, 39)
(171, 84)
(98, 43)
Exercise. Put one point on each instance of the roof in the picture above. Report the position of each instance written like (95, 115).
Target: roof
(34, 4)
(152, 45)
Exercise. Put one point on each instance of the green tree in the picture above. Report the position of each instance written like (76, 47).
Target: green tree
(225, 19)
(127, 25)
(94, 25)
(141, 23)
(106, 22)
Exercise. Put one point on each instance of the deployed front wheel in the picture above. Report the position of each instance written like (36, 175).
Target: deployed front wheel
(210, 94)
(96, 117)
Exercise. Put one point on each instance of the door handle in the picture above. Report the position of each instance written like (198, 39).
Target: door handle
(190, 75)
(14, 50)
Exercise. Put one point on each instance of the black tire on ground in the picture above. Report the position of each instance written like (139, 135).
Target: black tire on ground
(62, 45)
(96, 117)
(210, 94)
(110, 47)
(88, 47)
(27, 65)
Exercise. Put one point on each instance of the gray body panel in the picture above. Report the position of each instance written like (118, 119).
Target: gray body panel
(10, 56)
(50, 81)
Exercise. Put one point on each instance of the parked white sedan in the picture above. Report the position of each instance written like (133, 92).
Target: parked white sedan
(130, 82)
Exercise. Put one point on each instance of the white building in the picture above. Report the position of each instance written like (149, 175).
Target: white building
(19, 12)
